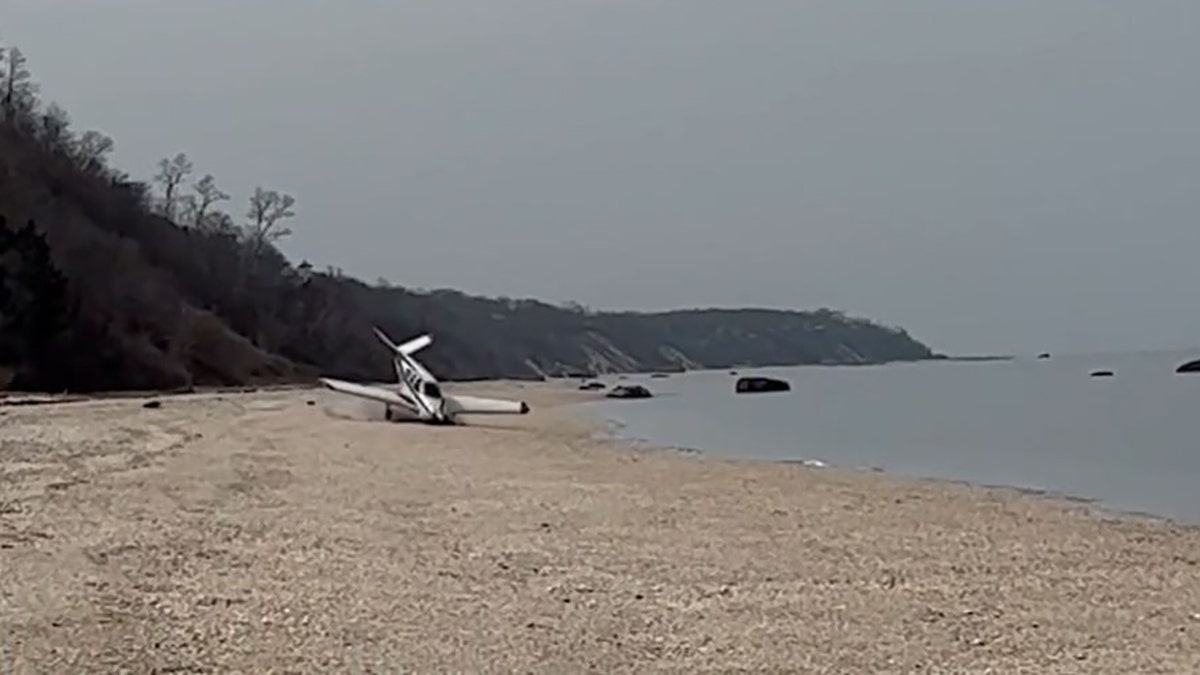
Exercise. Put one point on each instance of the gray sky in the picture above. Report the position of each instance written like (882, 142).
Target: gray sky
(994, 176)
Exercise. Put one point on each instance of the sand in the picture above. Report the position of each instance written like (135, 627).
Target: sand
(257, 533)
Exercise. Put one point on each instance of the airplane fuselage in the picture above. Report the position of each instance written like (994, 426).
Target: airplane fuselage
(425, 394)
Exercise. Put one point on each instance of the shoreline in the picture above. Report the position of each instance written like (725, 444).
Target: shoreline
(604, 431)
(607, 430)
(32, 397)
(284, 530)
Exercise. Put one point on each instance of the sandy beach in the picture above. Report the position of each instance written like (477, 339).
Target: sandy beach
(257, 533)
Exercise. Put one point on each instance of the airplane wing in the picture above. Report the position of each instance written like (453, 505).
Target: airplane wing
(476, 405)
(373, 393)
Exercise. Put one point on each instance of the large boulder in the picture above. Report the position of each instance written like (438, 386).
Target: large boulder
(1189, 367)
(629, 391)
(760, 385)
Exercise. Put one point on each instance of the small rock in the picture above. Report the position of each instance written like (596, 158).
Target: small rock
(152, 404)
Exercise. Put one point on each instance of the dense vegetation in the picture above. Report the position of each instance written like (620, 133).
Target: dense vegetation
(110, 283)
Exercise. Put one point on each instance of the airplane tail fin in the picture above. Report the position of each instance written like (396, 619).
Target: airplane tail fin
(407, 348)
(386, 340)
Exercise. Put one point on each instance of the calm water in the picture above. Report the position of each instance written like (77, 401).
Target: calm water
(1131, 442)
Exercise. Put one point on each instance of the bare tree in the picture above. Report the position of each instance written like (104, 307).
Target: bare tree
(267, 209)
(219, 221)
(207, 194)
(19, 91)
(91, 151)
(576, 307)
(171, 174)
(197, 209)
(54, 130)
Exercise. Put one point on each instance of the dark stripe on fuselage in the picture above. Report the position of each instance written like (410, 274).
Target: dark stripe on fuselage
(414, 381)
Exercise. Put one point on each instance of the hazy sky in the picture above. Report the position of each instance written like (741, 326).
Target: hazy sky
(994, 176)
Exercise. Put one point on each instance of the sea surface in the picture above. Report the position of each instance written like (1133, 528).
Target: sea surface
(1130, 442)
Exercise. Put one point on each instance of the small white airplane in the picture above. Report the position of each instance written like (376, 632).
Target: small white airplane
(417, 395)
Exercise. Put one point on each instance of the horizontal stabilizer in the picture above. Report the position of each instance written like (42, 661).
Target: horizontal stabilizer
(408, 348)
(416, 344)
(475, 405)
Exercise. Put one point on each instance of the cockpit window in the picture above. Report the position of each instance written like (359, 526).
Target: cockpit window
(432, 390)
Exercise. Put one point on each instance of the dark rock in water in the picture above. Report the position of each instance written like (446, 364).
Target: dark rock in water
(733, 372)
(1189, 367)
(1102, 373)
(152, 404)
(659, 376)
(629, 391)
(590, 386)
(759, 385)
(310, 402)
(1043, 355)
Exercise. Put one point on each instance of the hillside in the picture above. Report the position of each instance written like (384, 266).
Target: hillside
(110, 283)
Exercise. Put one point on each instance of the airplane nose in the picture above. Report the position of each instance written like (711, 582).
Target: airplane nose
(524, 408)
